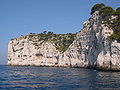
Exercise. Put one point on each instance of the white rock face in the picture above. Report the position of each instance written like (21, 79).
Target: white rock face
(25, 52)
(109, 57)
(91, 49)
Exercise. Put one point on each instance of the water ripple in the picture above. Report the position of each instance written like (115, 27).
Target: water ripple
(52, 78)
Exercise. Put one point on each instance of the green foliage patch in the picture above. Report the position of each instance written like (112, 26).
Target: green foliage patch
(61, 41)
(107, 13)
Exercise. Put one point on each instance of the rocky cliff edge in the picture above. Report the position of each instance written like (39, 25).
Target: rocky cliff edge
(90, 49)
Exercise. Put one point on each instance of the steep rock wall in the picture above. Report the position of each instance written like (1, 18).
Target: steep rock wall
(91, 48)
(26, 52)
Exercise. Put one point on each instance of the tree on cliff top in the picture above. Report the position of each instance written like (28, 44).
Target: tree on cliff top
(116, 26)
(110, 17)
(97, 7)
(106, 13)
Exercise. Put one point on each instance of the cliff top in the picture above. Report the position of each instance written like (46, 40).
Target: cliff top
(61, 41)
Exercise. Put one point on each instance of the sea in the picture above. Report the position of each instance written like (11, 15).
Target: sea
(57, 78)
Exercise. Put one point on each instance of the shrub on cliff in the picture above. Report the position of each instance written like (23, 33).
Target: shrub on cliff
(106, 13)
(116, 22)
(97, 7)
(110, 17)
(61, 41)
(116, 25)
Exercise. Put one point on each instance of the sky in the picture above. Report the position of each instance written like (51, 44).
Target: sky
(21, 17)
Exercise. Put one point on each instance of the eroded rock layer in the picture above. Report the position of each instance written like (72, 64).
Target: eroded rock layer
(91, 48)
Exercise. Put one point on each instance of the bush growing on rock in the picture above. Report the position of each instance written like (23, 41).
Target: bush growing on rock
(110, 17)
(61, 41)
(97, 7)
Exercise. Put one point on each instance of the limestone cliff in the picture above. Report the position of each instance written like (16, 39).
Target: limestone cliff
(91, 48)
(38, 50)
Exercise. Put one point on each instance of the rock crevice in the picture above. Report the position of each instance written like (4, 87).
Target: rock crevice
(91, 48)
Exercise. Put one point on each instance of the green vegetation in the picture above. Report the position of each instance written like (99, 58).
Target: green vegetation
(61, 41)
(110, 17)
(116, 26)
(97, 7)
(106, 13)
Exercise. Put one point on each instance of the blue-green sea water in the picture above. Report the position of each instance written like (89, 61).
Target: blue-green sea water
(56, 78)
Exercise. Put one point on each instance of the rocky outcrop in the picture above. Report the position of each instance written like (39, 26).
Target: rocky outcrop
(109, 57)
(90, 49)
(27, 52)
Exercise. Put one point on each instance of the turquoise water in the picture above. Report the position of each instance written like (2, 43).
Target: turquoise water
(56, 78)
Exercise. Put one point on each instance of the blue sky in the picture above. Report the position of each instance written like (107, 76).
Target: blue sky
(21, 17)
